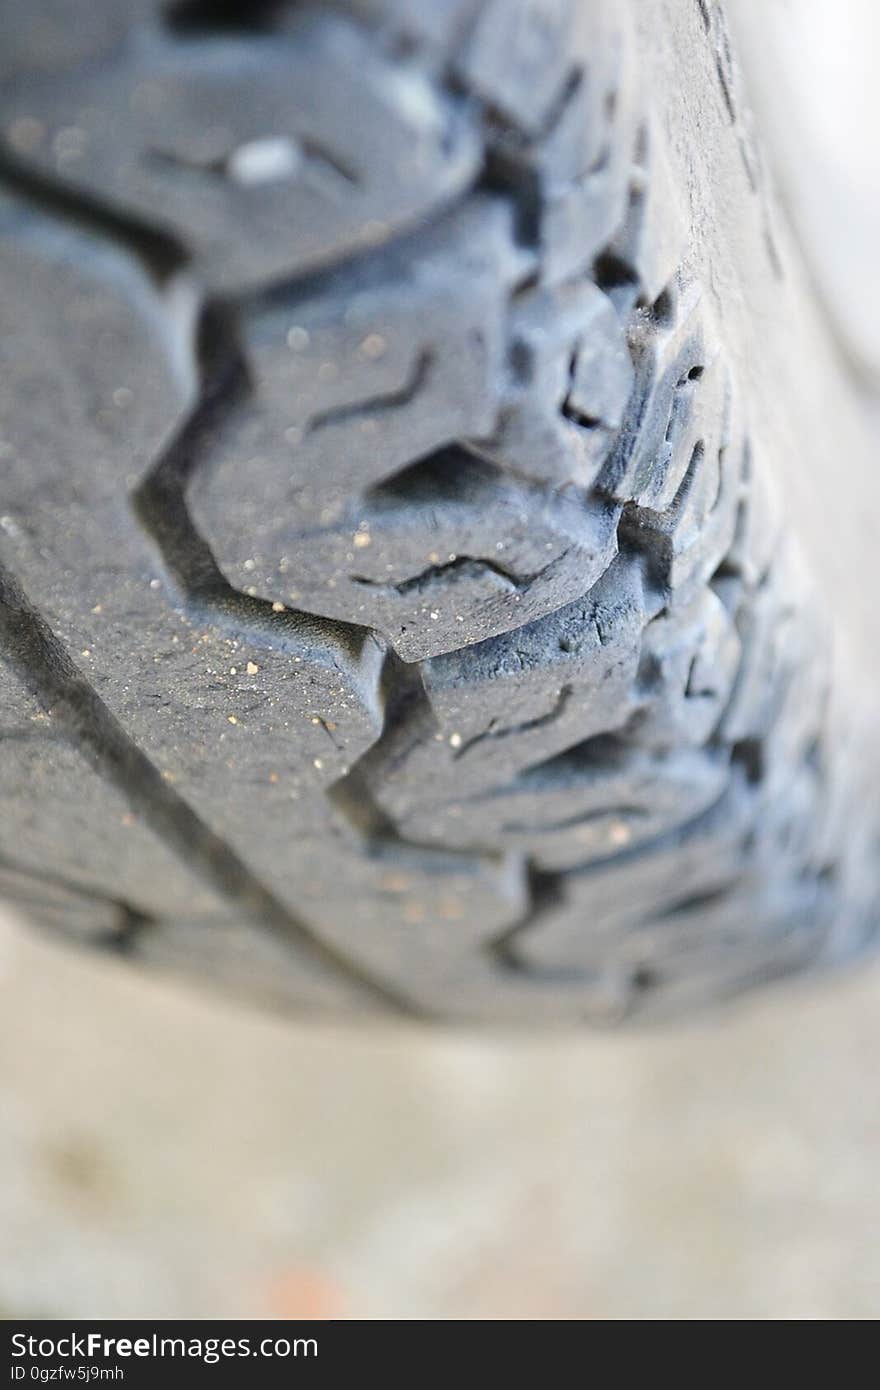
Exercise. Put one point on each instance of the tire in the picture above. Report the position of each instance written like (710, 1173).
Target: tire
(397, 609)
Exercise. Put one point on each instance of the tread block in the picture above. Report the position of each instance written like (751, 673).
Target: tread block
(679, 401)
(519, 553)
(377, 368)
(587, 920)
(437, 27)
(783, 668)
(570, 381)
(689, 540)
(723, 894)
(519, 56)
(51, 36)
(690, 659)
(348, 390)
(651, 239)
(560, 115)
(759, 524)
(389, 562)
(584, 164)
(796, 921)
(240, 147)
(424, 922)
(585, 804)
(515, 700)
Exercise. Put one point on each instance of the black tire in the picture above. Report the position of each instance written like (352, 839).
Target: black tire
(393, 604)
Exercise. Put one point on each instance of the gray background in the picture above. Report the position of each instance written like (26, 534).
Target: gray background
(165, 1155)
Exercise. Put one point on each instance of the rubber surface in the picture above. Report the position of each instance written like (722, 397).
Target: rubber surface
(394, 607)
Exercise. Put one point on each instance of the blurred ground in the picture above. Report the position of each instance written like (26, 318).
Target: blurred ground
(167, 1155)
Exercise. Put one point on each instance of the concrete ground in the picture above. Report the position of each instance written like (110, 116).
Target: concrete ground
(166, 1155)
(163, 1154)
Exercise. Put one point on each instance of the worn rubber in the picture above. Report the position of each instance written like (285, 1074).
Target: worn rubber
(394, 607)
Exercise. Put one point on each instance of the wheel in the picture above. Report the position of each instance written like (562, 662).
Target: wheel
(401, 604)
